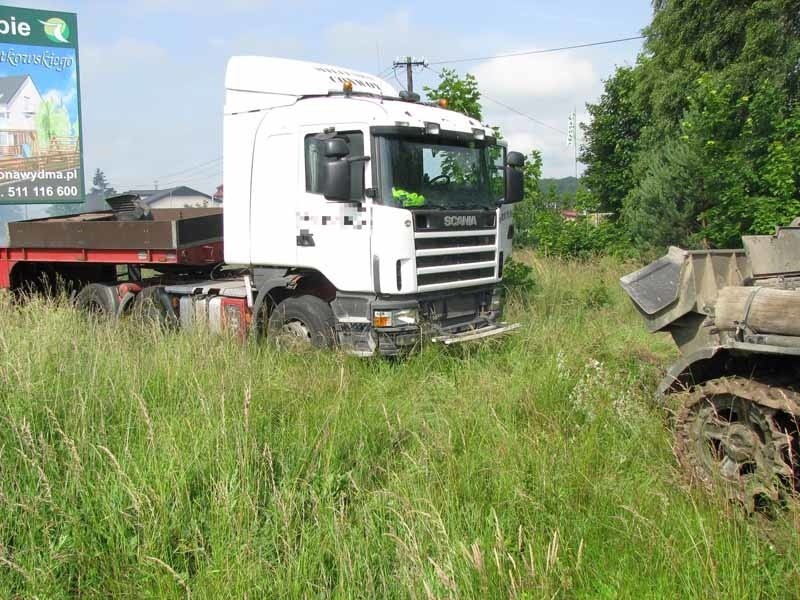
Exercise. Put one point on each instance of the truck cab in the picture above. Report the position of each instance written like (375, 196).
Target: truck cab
(395, 215)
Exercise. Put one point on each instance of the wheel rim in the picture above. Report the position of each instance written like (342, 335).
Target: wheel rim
(732, 439)
(294, 334)
(297, 330)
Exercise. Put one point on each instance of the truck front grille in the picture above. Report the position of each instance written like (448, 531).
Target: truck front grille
(447, 259)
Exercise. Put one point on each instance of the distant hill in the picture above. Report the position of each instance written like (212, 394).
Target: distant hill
(566, 186)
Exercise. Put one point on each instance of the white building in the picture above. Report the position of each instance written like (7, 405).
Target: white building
(19, 103)
(176, 197)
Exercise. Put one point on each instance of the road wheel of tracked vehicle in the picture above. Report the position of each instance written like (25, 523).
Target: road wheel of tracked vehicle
(98, 300)
(743, 435)
(302, 321)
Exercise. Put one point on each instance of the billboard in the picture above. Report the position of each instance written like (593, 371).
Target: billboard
(41, 152)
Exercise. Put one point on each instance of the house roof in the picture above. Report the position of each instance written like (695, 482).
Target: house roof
(9, 86)
(181, 191)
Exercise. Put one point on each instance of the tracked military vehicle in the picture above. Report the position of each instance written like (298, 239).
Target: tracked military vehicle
(735, 316)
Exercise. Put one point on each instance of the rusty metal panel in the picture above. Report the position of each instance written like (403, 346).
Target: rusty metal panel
(199, 229)
(169, 229)
(777, 254)
(656, 286)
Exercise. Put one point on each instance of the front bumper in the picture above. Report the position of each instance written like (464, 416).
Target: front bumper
(445, 320)
(494, 330)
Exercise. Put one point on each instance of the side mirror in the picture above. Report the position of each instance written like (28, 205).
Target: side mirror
(515, 159)
(336, 180)
(338, 172)
(335, 148)
(515, 179)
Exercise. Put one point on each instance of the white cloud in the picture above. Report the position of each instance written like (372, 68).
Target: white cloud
(540, 76)
(547, 88)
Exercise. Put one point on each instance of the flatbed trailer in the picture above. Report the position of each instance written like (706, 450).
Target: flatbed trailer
(89, 248)
(168, 263)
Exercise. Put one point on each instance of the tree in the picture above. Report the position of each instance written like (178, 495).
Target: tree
(100, 184)
(462, 94)
(101, 190)
(612, 140)
(698, 141)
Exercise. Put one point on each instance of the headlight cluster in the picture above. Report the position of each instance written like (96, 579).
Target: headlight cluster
(395, 318)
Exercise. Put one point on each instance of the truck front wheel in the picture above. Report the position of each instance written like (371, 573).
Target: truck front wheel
(305, 319)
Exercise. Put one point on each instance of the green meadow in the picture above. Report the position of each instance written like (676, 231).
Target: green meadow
(136, 463)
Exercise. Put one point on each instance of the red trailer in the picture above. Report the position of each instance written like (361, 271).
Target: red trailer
(113, 260)
(92, 247)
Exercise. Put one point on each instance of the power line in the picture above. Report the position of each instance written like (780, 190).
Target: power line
(522, 114)
(386, 72)
(510, 108)
(530, 52)
(177, 176)
(189, 169)
(205, 171)
(394, 72)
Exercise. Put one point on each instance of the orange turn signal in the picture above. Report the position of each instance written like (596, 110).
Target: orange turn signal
(382, 320)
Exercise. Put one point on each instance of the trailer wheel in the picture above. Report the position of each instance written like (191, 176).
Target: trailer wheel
(98, 300)
(304, 319)
(152, 305)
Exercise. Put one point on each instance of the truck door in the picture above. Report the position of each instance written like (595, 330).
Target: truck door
(334, 237)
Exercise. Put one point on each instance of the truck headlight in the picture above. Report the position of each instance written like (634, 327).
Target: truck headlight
(395, 318)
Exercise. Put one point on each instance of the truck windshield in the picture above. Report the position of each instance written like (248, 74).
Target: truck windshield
(418, 174)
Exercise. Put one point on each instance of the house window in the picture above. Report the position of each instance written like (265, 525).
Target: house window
(315, 159)
(4, 115)
(6, 139)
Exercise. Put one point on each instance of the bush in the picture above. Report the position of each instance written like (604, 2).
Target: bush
(550, 233)
(518, 277)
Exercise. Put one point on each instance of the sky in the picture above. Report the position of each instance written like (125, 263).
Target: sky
(152, 71)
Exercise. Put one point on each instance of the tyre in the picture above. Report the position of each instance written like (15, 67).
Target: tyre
(98, 300)
(152, 305)
(304, 320)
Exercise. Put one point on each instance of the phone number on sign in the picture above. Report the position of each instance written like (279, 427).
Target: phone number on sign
(42, 191)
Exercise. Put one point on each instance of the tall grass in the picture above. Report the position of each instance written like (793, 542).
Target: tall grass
(137, 463)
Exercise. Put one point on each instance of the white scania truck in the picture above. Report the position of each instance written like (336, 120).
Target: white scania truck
(358, 217)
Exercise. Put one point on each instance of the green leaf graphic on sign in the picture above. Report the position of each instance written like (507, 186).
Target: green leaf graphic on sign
(56, 30)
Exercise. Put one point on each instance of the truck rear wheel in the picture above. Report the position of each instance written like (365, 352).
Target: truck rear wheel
(151, 305)
(304, 319)
(98, 300)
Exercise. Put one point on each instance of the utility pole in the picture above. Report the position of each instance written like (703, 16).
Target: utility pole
(409, 63)
(572, 137)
